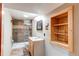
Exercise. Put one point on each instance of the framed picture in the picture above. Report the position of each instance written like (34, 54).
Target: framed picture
(47, 26)
(39, 25)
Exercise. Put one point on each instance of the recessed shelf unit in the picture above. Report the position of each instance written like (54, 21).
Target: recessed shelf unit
(62, 28)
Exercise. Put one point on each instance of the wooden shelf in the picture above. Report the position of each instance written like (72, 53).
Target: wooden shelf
(60, 33)
(61, 24)
(61, 44)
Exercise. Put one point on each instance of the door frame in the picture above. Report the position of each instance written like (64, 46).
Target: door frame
(0, 26)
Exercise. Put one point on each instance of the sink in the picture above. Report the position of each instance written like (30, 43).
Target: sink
(35, 38)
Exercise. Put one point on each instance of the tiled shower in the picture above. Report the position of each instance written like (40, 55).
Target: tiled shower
(21, 30)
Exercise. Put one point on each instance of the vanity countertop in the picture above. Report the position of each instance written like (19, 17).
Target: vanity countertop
(35, 38)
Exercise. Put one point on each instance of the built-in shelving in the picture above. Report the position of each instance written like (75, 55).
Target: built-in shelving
(62, 28)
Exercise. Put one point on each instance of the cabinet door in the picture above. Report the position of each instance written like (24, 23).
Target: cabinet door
(31, 49)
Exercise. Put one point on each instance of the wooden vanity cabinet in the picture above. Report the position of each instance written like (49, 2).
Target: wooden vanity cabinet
(36, 47)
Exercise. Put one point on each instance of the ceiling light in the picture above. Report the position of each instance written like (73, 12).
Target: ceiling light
(25, 16)
(38, 18)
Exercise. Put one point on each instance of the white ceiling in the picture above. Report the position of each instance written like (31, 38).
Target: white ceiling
(35, 8)
(17, 14)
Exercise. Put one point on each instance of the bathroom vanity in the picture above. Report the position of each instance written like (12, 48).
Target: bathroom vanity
(36, 46)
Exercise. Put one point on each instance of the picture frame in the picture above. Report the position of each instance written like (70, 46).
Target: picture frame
(47, 26)
(39, 25)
